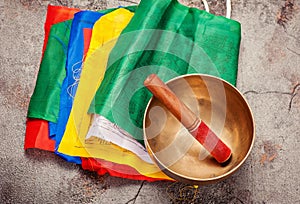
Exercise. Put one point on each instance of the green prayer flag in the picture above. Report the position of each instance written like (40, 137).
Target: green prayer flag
(169, 39)
(44, 102)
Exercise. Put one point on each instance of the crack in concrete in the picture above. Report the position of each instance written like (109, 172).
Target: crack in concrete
(295, 88)
(137, 194)
(237, 199)
(291, 102)
(292, 94)
(266, 92)
(296, 53)
(60, 2)
(128, 1)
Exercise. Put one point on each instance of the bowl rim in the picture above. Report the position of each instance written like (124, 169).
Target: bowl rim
(220, 177)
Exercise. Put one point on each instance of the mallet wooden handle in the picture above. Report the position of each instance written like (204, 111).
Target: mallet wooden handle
(195, 126)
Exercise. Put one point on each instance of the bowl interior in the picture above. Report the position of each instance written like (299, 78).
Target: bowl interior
(221, 107)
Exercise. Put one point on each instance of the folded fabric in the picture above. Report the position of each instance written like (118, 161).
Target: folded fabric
(171, 40)
(73, 141)
(108, 131)
(104, 129)
(37, 133)
(45, 101)
(118, 170)
(82, 20)
(75, 55)
(56, 14)
(37, 129)
(99, 166)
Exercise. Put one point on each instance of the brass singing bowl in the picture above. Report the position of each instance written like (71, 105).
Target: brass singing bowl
(222, 107)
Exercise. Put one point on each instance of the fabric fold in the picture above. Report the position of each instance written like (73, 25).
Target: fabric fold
(74, 60)
(37, 129)
(74, 142)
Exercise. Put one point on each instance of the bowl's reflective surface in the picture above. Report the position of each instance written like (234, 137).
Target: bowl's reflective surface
(223, 109)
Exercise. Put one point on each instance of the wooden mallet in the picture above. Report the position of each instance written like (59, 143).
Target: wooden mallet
(202, 133)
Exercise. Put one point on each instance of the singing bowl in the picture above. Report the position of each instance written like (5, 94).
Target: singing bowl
(222, 107)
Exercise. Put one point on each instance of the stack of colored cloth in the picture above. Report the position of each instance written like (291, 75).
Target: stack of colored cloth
(89, 100)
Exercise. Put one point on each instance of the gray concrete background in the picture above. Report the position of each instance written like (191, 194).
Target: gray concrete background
(269, 76)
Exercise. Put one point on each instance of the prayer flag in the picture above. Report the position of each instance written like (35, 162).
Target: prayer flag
(37, 130)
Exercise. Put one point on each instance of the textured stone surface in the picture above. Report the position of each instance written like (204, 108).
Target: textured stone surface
(269, 76)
